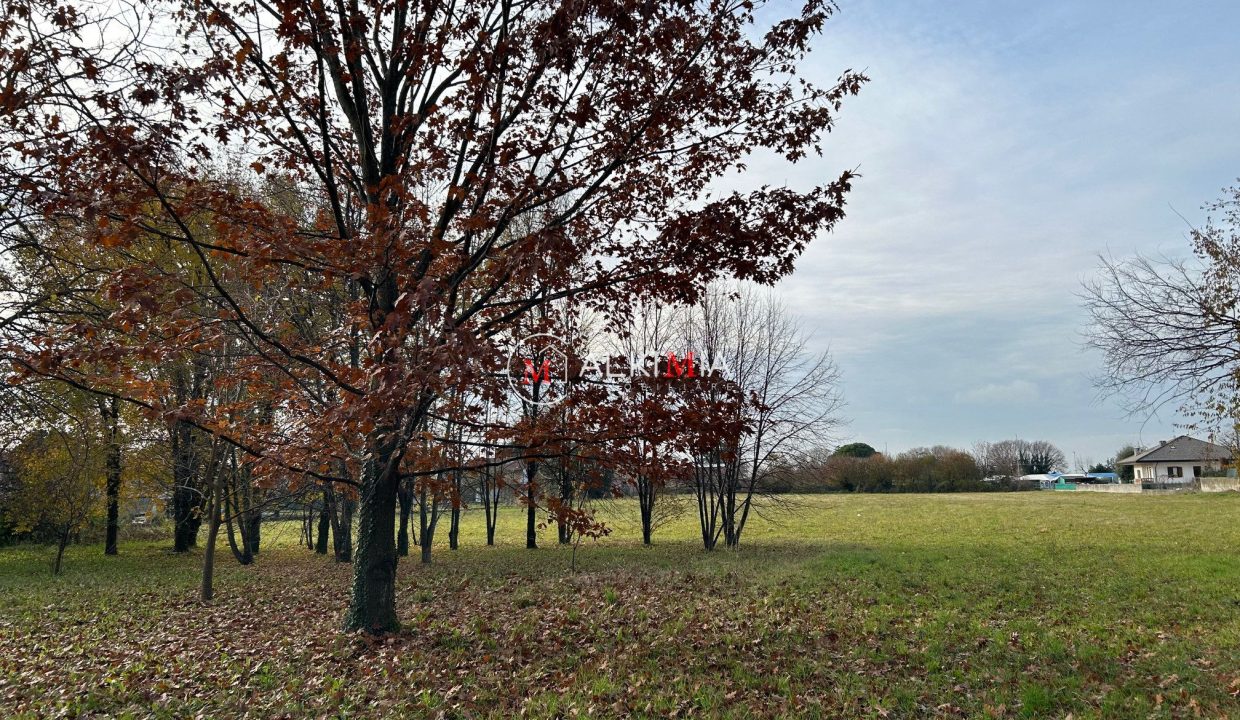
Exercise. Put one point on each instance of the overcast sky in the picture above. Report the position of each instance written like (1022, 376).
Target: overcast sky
(1003, 146)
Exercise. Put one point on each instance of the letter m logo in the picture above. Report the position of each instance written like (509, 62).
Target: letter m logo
(677, 368)
(533, 375)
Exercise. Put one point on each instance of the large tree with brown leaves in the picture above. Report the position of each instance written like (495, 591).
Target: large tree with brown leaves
(455, 165)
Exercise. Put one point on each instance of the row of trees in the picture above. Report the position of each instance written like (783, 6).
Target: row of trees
(858, 467)
(793, 403)
(933, 469)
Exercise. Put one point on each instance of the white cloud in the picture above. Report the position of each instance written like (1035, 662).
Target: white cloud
(1016, 392)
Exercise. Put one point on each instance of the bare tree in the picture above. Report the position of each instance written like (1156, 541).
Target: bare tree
(1161, 339)
(1040, 456)
(1013, 458)
(1169, 329)
(789, 402)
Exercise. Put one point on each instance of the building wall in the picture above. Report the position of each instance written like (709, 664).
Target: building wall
(1220, 484)
(1158, 471)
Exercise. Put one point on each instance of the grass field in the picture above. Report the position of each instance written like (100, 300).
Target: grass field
(1024, 605)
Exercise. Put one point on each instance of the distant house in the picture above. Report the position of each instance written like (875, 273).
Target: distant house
(1178, 460)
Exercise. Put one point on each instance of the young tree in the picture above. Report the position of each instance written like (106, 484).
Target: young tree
(59, 468)
(110, 414)
(491, 482)
(651, 457)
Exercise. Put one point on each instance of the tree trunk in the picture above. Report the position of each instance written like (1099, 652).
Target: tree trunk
(645, 504)
(320, 544)
(454, 527)
(233, 508)
(427, 537)
(182, 507)
(307, 527)
(333, 517)
(255, 522)
(373, 604)
(240, 551)
(531, 515)
(186, 501)
(110, 410)
(342, 529)
(428, 518)
(60, 549)
(405, 498)
(325, 518)
(454, 517)
(185, 534)
(564, 533)
(490, 503)
(208, 560)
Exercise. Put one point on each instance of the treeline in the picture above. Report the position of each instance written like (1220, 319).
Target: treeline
(858, 467)
(82, 463)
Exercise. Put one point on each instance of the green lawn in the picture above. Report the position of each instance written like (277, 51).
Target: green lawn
(1025, 605)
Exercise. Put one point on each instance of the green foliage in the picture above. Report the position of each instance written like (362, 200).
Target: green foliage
(1126, 472)
(857, 450)
(57, 484)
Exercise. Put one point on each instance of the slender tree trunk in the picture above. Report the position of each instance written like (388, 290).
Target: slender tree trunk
(428, 515)
(564, 532)
(208, 560)
(307, 526)
(645, 502)
(110, 410)
(342, 529)
(249, 515)
(531, 515)
(405, 498)
(708, 481)
(454, 518)
(60, 549)
(490, 502)
(255, 522)
(427, 535)
(327, 516)
(233, 507)
(454, 528)
(238, 549)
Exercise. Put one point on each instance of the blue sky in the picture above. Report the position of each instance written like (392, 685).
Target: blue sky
(1003, 146)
